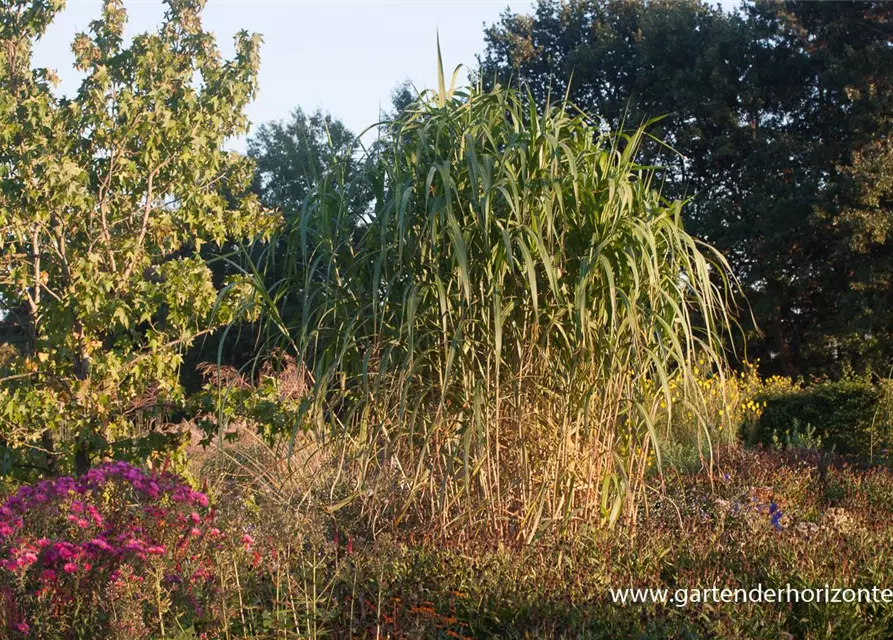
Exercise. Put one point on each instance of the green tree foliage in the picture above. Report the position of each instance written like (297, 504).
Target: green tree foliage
(780, 115)
(849, 48)
(402, 96)
(107, 198)
(290, 158)
(292, 155)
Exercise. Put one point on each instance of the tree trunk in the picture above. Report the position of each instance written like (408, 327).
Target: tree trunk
(81, 457)
(49, 448)
(777, 335)
(780, 343)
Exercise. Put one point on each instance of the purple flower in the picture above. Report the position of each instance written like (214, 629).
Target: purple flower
(775, 515)
(99, 544)
(121, 501)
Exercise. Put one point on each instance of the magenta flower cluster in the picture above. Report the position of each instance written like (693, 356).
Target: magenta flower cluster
(63, 536)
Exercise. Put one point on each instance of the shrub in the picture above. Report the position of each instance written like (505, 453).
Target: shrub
(850, 416)
(730, 407)
(798, 437)
(117, 551)
(270, 404)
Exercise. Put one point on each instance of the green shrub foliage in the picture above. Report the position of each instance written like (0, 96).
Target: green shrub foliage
(850, 416)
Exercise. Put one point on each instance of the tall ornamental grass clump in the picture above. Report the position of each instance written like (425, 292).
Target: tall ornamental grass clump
(490, 344)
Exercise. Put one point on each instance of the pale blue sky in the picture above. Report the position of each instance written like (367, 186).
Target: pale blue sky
(342, 56)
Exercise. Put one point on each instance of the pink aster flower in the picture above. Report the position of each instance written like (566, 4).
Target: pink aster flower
(26, 559)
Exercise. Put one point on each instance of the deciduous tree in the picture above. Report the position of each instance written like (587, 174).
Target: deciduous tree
(106, 199)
